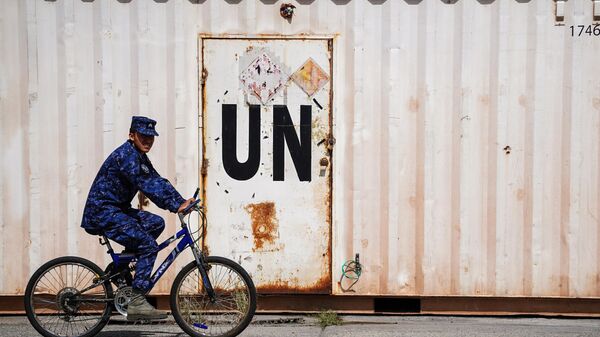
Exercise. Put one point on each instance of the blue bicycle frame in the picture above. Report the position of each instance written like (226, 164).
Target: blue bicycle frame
(186, 241)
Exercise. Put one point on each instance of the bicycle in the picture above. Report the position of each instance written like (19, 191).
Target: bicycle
(73, 297)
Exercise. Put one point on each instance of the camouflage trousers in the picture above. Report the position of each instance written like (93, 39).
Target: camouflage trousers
(137, 231)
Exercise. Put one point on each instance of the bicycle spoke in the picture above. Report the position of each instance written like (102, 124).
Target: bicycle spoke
(59, 272)
(81, 313)
(86, 280)
(80, 279)
(46, 286)
(226, 312)
(76, 282)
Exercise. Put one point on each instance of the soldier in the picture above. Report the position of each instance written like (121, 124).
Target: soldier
(108, 210)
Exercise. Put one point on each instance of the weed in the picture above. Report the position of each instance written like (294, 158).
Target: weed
(327, 318)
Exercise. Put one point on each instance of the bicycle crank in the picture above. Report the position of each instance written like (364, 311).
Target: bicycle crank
(122, 299)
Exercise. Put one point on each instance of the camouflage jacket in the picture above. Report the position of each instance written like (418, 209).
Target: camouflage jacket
(125, 172)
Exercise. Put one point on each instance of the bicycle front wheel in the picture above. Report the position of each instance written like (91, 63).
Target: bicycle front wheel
(233, 308)
(55, 304)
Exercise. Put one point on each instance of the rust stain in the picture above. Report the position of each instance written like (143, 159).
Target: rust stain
(290, 285)
(484, 99)
(523, 101)
(413, 104)
(321, 286)
(205, 248)
(202, 108)
(326, 263)
(520, 194)
(264, 223)
(412, 201)
(261, 36)
(596, 103)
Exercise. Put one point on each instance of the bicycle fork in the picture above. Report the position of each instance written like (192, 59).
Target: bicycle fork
(203, 269)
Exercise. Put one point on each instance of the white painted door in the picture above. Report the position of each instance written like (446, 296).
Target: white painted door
(266, 106)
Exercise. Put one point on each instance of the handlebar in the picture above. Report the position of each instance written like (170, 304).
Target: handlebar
(187, 209)
(193, 204)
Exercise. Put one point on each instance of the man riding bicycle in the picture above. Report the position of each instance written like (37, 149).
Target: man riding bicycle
(108, 210)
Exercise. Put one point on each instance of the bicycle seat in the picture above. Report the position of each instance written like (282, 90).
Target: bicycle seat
(126, 252)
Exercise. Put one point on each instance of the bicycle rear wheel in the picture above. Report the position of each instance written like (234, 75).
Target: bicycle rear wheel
(235, 301)
(54, 306)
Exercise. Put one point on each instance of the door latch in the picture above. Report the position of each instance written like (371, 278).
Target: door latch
(324, 162)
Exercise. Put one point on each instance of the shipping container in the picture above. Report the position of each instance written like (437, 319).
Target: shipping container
(453, 145)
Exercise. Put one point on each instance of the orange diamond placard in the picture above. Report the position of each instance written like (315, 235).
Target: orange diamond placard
(310, 77)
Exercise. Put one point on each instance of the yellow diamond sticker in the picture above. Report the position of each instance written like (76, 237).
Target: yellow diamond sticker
(310, 77)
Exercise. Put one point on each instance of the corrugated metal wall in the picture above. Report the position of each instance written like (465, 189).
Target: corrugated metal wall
(468, 134)
(469, 163)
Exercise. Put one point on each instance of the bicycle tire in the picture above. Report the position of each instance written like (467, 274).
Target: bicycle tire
(70, 283)
(244, 299)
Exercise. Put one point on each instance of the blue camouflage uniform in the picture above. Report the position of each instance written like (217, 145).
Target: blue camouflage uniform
(108, 208)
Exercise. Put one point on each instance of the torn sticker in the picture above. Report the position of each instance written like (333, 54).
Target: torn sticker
(263, 78)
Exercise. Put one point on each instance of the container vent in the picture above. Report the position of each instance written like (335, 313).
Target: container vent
(397, 305)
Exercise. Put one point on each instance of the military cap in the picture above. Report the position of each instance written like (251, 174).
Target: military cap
(143, 125)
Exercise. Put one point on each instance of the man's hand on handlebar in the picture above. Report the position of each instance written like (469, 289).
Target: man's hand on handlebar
(185, 205)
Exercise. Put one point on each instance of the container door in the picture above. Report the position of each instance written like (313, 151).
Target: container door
(266, 106)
